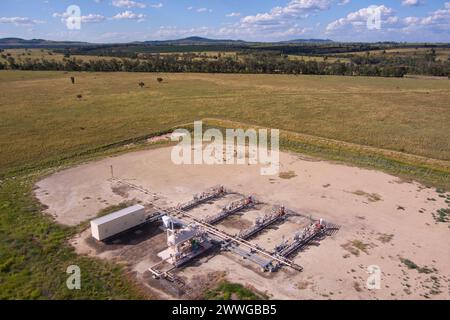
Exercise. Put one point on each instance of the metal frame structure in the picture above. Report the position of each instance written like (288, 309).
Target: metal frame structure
(239, 244)
(230, 209)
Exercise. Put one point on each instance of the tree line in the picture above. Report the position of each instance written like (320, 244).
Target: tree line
(259, 63)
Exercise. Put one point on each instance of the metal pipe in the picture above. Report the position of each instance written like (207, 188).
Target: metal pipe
(208, 227)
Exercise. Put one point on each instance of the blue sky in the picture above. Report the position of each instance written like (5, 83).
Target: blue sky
(257, 20)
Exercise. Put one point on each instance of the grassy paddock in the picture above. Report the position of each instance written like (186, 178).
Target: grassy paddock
(431, 172)
(396, 125)
(33, 54)
(42, 118)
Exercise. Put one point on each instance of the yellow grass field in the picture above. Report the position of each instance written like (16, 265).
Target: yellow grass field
(48, 123)
(42, 116)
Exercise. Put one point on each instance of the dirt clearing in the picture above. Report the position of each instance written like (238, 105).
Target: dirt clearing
(384, 221)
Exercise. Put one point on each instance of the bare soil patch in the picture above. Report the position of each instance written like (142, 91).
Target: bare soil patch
(377, 230)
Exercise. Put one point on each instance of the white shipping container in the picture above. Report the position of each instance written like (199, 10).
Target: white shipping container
(117, 222)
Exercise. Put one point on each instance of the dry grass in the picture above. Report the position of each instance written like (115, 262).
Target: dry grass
(356, 246)
(287, 175)
(42, 118)
(304, 284)
(372, 197)
(357, 286)
(441, 53)
(23, 54)
(385, 238)
(329, 59)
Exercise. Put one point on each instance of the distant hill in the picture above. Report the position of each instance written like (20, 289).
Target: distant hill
(37, 43)
(193, 41)
(41, 43)
(203, 41)
(308, 41)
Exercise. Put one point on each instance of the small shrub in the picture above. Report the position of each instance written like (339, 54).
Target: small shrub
(409, 263)
(357, 286)
(228, 291)
(372, 197)
(385, 238)
(287, 175)
(6, 266)
(425, 270)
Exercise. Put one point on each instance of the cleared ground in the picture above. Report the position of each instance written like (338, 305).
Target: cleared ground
(384, 221)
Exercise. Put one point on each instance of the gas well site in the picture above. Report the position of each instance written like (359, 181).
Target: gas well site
(199, 154)
(311, 232)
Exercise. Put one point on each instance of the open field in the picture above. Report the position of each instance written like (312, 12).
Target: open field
(23, 54)
(442, 54)
(42, 118)
(383, 222)
(332, 58)
(399, 126)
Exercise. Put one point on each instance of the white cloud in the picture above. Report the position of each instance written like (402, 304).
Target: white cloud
(438, 17)
(19, 21)
(295, 9)
(358, 19)
(279, 23)
(204, 10)
(412, 3)
(437, 21)
(227, 32)
(156, 6)
(128, 4)
(411, 21)
(90, 18)
(343, 2)
(434, 26)
(129, 15)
